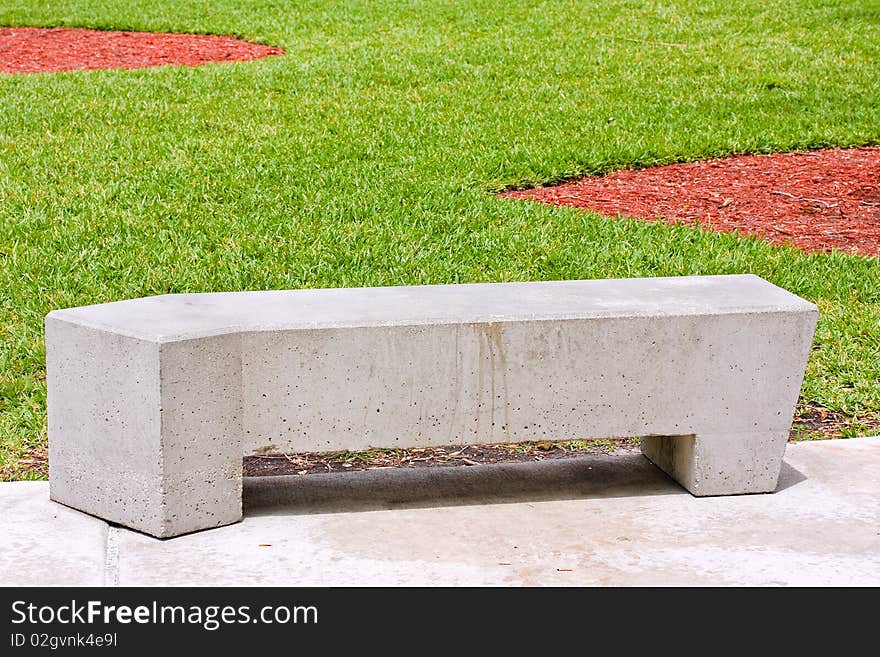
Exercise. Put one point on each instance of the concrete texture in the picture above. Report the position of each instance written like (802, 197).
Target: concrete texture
(152, 402)
(46, 544)
(598, 520)
(720, 463)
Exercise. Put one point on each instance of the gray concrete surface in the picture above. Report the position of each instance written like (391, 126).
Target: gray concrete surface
(597, 520)
(46, 544)
(152, 402)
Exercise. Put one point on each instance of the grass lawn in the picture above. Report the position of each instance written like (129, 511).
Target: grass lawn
(368, 154)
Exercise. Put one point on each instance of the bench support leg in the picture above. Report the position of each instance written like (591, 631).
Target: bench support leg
(201, 434)
(143, 434)
(719, 463)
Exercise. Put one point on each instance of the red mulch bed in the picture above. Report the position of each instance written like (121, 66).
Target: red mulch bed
(818, 201)
(49, 50)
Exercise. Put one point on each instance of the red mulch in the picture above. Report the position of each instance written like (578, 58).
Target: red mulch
(818, 201)
(48, 50)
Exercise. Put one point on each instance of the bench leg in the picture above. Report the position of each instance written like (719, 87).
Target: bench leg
(201, 432)
(142, 434)
(719, 463)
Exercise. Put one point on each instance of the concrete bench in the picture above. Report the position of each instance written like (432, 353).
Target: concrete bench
(153, 402)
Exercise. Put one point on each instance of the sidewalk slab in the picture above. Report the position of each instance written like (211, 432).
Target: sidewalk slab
(595, 520)
(46, 544)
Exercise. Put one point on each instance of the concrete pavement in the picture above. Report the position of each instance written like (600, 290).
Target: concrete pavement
(595, 520)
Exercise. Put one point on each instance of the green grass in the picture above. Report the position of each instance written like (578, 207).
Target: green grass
(367, 154)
